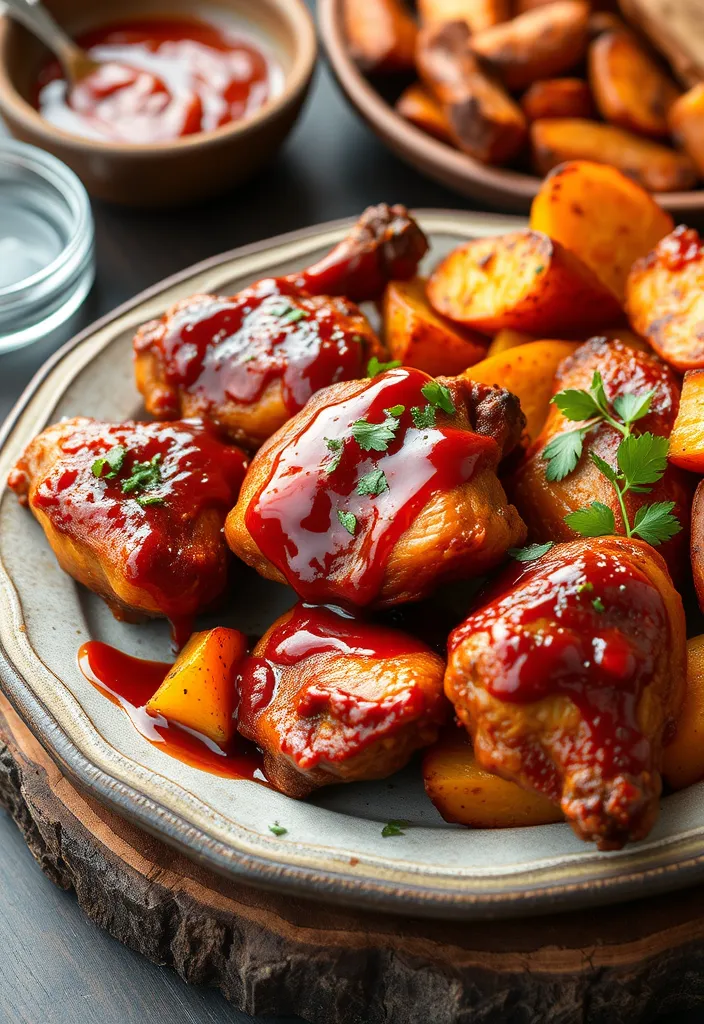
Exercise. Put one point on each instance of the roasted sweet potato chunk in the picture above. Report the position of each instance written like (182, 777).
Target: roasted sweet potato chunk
(418, 105)
(683, 757)
(468, 794)
(484, 120)
(601, 215)
(477, 14)
(525, 281)
(381, 34)
(539, 44)
(687, 437)
(506, 339)
(687, 123)
(558, 97)
(651, 164)
(417, 336)
(630, 88)
(697, 546)
(665, 298)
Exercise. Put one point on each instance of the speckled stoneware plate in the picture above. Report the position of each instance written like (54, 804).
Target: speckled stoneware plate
(333, 848)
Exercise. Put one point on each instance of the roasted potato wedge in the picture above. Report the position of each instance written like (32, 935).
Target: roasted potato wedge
(468, 794)
(506, 339)
(525, 281)
(528, 371)
(484, 121)
(630, 88)
(686, 119)
(199, 691)
(604, 21)
(652, 165)
(381, 35)
(601, 215)
(665, 299)
(477, 14)
(540, 44)
(687, 437)
(697, 542)
(417, 336)
(683, 756)
(558, 97)
(418, 105)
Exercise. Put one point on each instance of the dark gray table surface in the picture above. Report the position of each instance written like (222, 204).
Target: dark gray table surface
(56, 967)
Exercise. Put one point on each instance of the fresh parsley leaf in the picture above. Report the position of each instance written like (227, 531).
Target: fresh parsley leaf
(293, 316)
(596, 390)
(335, 445)
(145, 500)
(348, 520)
(655, 523)
(597, 520)
(423, 418)
(374, 367)
(277, 829)
(281, 310)
(143, 476)
(575, 404)
(113, 460)
(598, 605)
(395, 828)
(373, 483)
(530, 552)
(633, 407)
(604, 468)
(563, 453)
(642, 459)
(395, 410)
(439, 396)
(375, 437)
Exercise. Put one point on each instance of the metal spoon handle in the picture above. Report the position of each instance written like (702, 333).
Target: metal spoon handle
(34, 16)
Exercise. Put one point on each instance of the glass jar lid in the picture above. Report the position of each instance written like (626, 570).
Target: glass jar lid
(46, 244)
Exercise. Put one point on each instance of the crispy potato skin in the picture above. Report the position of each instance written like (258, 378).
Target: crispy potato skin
(543, 43)
(381, 34)
(477, 14)
(604, 21)
(683, 757)
(602, 216)
(417, 336)
(527, 371)
(544, 503)
(467, 794)
(524, 281)
(687, 437)
(651, 164)
(665, 299)
(558, 97)
(629, 87)
(484, 120)
(507, 338)
(418, 105)
(697, 548)
(686, 117)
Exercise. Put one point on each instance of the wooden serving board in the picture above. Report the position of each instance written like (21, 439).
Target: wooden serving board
(272, 954)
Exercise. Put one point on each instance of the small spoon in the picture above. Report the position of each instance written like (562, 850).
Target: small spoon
(33, 15)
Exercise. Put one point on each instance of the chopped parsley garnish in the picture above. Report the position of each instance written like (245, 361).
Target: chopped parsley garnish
(109, 465)
(395, 410)
(277, 829)
(375, 437)
(143, 476)
(348, 520)
(374, 367)
(373, 483)
(145, 500)
(585, 587)
(598, 605)
(293, 316)
(439, 396)
(395, 828)
(334, 445)
(530, 552)
(423, 418)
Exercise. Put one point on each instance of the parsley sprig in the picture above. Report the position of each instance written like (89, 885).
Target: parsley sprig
(641, 460)
(143, 476)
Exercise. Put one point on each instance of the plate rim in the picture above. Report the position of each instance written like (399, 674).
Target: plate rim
(680, 863)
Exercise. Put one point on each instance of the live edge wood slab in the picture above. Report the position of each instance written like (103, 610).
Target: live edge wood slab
(273, 954)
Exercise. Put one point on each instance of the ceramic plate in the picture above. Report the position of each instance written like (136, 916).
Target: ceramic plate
(333, 848)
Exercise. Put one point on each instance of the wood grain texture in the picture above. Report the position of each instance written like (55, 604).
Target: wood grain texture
(278, 955)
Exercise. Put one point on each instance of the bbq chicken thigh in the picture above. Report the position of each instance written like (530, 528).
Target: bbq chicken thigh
(544, 503)
(135, 511)
(330, 699)
(381, 489)
(568, 677)
(248, 362)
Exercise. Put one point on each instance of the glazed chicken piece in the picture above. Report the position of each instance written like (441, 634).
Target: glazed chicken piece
(543, 503)
(135, 511)
(332, 699)
(381, 489)
(568, 677)
(248, 362)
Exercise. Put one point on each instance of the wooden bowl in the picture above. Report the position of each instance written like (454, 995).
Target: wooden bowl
(186, 169)
(497, 186)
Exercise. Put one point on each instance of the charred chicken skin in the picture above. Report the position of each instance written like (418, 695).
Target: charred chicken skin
(568, 677)
(135, 511)
(381, 489)
(544, 503)
(248, 362)
(331, 699)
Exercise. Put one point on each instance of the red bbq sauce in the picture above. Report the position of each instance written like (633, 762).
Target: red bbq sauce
(680, 247)
(159, 79)
(295, 516)
(220, 348)
(309, 632)
(591, 628)
(131, 682)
